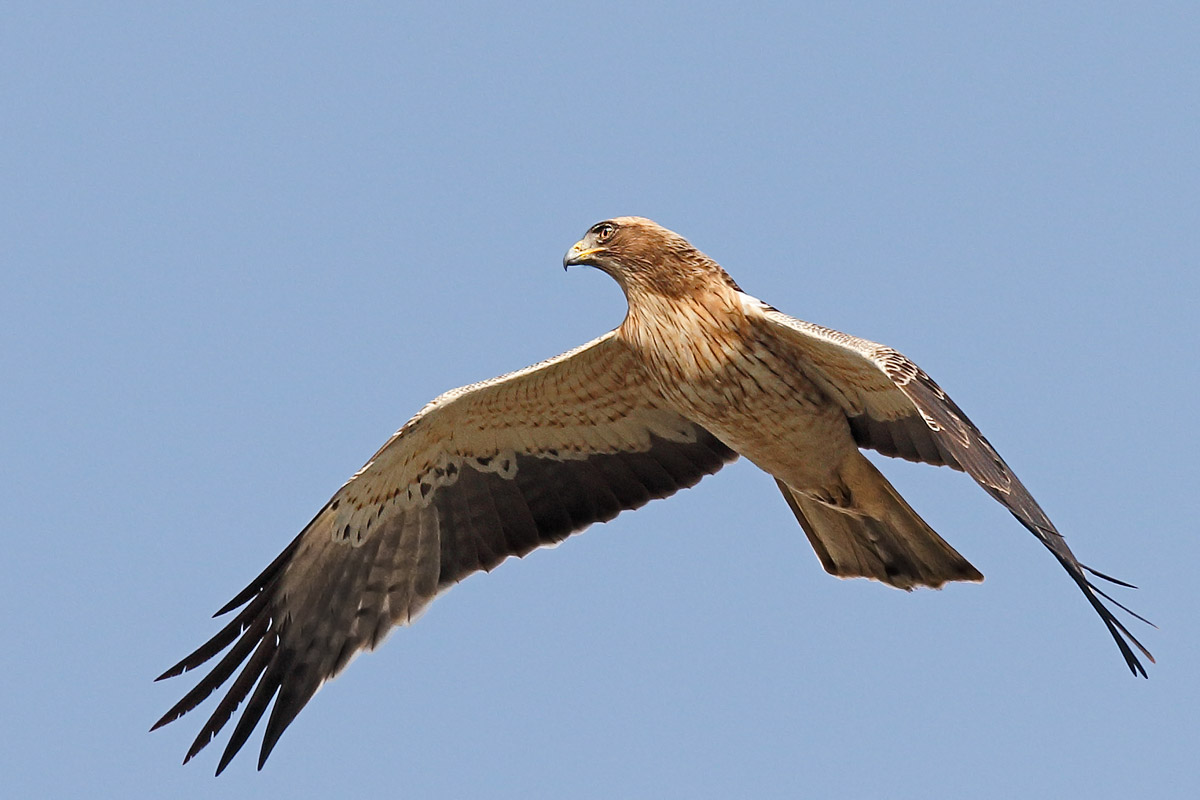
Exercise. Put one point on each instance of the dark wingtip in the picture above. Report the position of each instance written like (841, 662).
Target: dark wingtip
(230, 751)
(1122, 606)
(173, 672)
(269, 740)
(1111, 579)
(198, 744)
(246, 595)
(1120, 633)
(1125, 639)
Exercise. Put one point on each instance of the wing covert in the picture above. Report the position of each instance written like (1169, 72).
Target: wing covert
(488, 471)
(895, 408)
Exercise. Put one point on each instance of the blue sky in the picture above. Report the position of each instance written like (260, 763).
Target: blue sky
(241, 247)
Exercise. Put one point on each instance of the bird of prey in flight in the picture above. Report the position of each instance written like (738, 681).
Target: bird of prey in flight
(697, 374)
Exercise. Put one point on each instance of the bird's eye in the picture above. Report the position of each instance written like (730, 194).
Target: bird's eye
(604, 233)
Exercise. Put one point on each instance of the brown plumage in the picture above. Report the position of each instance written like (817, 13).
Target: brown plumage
(698, 373)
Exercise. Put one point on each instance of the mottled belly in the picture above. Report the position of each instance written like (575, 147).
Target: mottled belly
(766, 410)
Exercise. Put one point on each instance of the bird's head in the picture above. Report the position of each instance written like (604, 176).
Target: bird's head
(643, 256)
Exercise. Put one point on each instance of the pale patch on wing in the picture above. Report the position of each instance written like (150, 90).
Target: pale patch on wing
(894, 407)
(482, 473)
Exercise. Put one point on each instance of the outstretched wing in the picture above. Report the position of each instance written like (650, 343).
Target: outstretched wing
(484, 472)
(896, 409)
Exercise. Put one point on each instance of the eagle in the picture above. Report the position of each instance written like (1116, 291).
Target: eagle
(697, 374)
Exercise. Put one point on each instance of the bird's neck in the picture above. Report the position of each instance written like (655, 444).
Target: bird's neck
(685, 335)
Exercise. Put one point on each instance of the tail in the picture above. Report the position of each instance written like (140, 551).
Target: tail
(873, 533)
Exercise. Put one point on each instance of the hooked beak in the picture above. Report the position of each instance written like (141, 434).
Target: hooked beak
(580, 253)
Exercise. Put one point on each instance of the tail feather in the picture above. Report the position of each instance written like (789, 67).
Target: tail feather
(876, 535)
